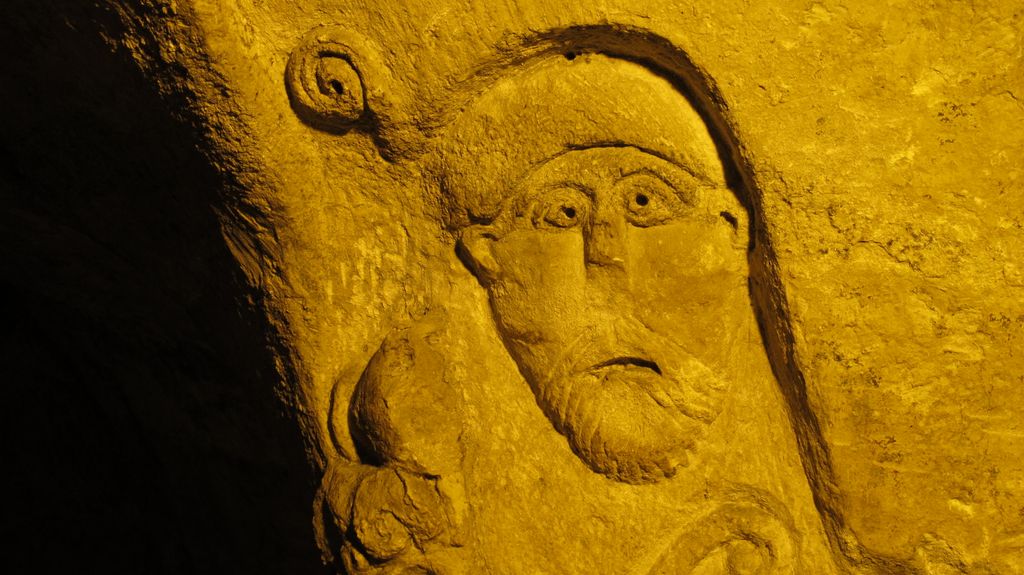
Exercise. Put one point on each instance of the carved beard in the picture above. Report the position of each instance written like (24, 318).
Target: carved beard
(635, 416)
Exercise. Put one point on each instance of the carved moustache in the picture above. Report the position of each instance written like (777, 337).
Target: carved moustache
(631, 403)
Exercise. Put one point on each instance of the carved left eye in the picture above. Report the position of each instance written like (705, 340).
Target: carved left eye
(649, 200)
(562, 208)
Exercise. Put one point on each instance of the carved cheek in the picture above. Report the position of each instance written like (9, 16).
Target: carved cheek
(540, 286)
(690, 280)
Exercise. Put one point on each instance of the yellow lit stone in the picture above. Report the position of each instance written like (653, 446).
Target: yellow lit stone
(635, 287)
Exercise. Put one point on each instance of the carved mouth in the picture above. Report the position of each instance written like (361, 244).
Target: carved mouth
(628, 362)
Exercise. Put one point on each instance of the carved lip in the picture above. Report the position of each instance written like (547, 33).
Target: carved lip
(628, 361)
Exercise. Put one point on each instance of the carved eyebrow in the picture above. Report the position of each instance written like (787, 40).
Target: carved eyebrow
(571, 184)
(646, 172)
(522, 200)
(649, 151)
(686, 195)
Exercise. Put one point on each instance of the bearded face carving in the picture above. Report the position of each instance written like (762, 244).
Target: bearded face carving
(589, 199)
(609, 264)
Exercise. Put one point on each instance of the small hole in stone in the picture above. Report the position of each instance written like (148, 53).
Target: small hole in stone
(570, 56)
(569, 212)
(338, 87)
(642, 200)
(729, 218)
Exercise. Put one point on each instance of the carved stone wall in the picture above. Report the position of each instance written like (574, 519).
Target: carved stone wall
(628, 287)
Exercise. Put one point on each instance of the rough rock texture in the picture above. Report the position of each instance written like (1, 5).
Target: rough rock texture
(627, 287)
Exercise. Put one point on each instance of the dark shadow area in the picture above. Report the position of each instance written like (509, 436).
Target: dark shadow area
(143, 430)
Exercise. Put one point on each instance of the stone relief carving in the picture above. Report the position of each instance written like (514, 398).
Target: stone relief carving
(541, 294)
(335, 80)
(603, 209)
(589, 198)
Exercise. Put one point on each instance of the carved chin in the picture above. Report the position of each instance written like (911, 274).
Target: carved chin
(630, 424)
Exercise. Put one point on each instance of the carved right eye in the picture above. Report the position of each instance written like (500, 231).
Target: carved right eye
(562, 208)
(649, 200)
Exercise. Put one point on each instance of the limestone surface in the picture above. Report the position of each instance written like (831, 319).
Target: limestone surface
(639, 286)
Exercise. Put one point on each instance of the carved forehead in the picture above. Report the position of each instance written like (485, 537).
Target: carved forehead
(556, 105)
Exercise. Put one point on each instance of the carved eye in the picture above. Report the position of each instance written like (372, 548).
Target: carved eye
(649, 200)
(563, 208)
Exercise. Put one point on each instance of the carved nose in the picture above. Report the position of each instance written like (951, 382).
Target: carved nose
(606, 243)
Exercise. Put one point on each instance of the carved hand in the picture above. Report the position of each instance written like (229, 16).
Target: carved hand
(398, 510)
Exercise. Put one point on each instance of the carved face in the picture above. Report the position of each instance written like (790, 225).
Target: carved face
(615, 277)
